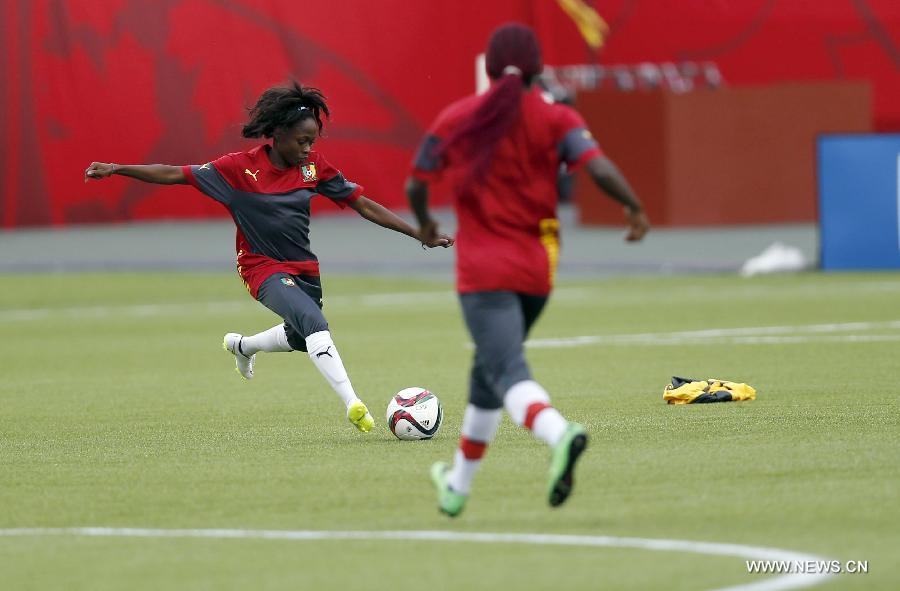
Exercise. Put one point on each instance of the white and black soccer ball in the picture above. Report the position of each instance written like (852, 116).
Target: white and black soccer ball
(414, 413)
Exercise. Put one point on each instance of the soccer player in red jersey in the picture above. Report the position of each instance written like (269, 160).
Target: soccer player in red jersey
(500, 153)
(267, 191)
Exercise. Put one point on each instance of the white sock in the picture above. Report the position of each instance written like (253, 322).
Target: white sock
(273, 340)
(324, 356)
(528, 405)
(478, 430)
(549, 426)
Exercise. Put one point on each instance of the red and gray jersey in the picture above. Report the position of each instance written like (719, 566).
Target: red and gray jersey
(270, 207)
(507, 237)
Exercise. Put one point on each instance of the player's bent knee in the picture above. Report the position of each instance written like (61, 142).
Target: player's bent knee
(485, 400)
(294, 338)
(313, 324)
(513, 374)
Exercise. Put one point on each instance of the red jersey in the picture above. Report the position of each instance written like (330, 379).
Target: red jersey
(508, 234)
(270, 207)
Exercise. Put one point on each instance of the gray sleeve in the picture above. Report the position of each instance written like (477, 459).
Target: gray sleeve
(576, 144)
(426, 159)
(337, 188)
(210, 181)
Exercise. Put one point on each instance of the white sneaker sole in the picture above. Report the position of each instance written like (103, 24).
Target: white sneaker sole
(248, 374)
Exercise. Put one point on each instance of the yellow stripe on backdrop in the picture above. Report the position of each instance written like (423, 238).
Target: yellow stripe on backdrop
(589, 22)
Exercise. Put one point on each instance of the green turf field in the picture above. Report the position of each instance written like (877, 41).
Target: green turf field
(118, 408)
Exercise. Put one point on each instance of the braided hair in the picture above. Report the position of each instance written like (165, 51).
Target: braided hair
(283, 106)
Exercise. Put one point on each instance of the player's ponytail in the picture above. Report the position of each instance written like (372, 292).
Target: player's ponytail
(283, 106)
(513, 59)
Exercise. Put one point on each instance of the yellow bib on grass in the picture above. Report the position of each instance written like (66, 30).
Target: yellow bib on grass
(689, 391)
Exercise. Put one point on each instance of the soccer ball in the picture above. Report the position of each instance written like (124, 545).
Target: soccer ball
(414, 413)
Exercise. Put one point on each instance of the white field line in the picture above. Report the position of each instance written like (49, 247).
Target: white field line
(759, 335)
(134, 311)
(774, 340)
(779, 583)
(753, 335)
(173, 309)
(376, 300)
(434, 297)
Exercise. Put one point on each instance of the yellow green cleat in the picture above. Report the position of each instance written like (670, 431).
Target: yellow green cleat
(359, 416)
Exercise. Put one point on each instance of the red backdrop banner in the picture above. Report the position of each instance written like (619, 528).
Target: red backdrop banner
(133, 81)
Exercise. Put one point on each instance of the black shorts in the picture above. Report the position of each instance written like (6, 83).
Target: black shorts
(499, 322)
(298, 300)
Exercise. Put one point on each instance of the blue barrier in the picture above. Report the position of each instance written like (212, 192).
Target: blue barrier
(859, 201)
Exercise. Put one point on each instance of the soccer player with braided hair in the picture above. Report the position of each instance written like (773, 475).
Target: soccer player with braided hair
(500, 153)
(267, 190)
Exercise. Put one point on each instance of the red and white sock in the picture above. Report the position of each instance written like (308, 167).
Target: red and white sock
(273, 340)
(478, 430)
(528, 405)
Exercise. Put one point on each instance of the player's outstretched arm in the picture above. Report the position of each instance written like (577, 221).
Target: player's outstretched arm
(384, 217)
(161, 174)
(607, 176)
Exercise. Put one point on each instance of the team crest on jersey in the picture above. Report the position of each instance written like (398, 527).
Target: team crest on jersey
(287, 281)
(309, 172)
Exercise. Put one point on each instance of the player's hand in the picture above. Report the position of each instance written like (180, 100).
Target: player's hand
(430, 237)
(441, 240)
(637, 224)
(99, 170)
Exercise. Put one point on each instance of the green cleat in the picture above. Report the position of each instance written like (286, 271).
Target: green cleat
(449, 502)
(562, 463)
